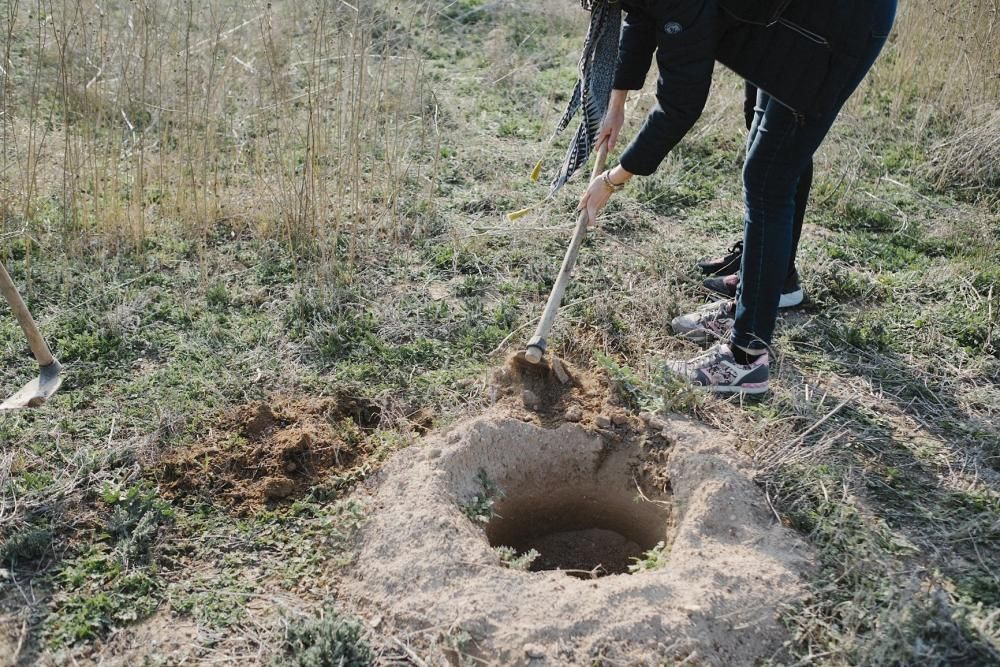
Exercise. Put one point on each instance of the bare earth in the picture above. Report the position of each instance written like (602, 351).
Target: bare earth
(431, 573)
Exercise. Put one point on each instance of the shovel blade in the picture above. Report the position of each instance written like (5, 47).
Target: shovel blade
(38, 391)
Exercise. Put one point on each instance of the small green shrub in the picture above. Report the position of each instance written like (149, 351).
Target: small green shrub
(513, 560)
(218, 297)
(330, 641)
(653, 559)
(480, 508)
(866, 333)
(136, 516)
(668, 393)
(26, 545)
(626, 383)
(100, 596)
(196, 597)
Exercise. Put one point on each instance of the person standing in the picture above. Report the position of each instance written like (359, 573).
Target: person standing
(806, 62)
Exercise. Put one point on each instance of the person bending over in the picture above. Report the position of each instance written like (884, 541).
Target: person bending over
(806, 64)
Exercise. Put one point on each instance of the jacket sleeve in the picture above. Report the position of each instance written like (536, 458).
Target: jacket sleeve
(686, 60)
(635, 50)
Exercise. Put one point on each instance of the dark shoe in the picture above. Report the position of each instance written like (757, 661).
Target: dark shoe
(725, 286)
(723, 266)
(792, 293)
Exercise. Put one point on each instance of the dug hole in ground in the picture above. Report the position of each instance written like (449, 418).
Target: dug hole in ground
(509, 538)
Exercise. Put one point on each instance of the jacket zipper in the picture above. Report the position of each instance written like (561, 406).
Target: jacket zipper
(808, 34)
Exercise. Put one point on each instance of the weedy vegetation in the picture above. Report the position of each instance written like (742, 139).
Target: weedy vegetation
(330, 641)
(210, 203)
(479, 508)
(652, 559)
(515, 561)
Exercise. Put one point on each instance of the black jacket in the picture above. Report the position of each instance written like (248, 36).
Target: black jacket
(805, 61)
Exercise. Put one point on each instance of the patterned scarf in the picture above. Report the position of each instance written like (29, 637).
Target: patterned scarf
(593, 88)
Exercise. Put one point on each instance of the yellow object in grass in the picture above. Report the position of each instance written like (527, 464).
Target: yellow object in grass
(516, 215)
(536, 172)
(535, 175)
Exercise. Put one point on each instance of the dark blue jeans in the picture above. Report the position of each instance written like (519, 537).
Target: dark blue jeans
(780, 148)
(801, 191)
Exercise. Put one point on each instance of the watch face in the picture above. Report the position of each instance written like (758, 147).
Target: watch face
(673, 28)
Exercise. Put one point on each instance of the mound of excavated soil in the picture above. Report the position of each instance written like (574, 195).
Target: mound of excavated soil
(589, 497)
(550, 393)
(267, 451)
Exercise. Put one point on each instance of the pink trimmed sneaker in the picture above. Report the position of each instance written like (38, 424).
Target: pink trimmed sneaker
(719, 372)
(711, 321)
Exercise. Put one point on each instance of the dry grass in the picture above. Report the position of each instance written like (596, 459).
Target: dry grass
(945, 55)
(942, 75)
(967, 160)
(295, 119)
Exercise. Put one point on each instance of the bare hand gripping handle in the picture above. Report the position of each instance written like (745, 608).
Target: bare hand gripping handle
(537, 344)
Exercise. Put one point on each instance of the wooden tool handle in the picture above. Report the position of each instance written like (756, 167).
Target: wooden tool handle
(35, 340)
(536, 347)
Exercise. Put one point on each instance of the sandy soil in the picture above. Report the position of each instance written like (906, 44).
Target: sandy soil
(433, 574)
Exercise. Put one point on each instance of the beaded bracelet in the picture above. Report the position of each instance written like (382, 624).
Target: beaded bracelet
(613, 187)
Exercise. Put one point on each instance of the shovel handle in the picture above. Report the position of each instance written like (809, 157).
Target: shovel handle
(24, 318)
(536, 346)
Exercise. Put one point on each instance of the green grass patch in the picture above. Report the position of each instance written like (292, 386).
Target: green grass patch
(98, 594)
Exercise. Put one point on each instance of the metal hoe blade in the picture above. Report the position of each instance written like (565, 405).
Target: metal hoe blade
(38, 391)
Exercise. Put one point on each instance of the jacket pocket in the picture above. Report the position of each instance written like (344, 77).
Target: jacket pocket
(807, 62)
(790, 64)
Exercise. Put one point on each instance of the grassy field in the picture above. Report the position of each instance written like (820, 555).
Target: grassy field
(213, 204)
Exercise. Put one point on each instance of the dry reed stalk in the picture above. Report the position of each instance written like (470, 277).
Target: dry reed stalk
(946, 53)
(155, 124)
(164, 114)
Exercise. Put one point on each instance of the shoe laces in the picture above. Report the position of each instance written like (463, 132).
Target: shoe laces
(724, 308)
(713, 354)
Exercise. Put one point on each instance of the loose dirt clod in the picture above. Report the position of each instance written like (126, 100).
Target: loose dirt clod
(534, 652)
(541, 379)
(560, 370)
(556, 396)
(272, 450)
(529, 399)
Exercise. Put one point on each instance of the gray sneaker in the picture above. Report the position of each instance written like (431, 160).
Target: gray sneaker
(718, 371)
(711, 321)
